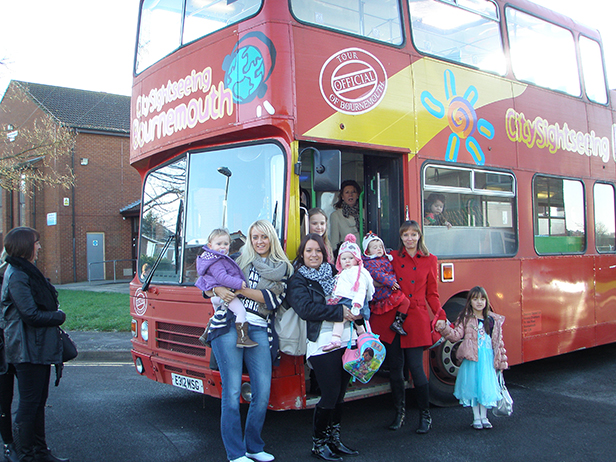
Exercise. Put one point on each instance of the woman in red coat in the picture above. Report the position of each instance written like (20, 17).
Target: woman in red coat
(416, 272)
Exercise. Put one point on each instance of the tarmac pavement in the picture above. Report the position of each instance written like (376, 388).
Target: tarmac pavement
(101, 346)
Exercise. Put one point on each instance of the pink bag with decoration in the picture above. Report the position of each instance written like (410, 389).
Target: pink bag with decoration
(365, 359)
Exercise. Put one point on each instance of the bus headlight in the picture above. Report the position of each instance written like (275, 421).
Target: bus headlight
(139, 366)
(144, 331)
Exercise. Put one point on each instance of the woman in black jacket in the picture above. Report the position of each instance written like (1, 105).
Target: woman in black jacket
(32, 339)
(307, 292)
(7, 385)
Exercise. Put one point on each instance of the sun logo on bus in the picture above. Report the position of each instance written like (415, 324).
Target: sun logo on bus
(248, 68)
(462, 119)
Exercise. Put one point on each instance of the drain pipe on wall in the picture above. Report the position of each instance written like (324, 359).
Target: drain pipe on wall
(73, 215)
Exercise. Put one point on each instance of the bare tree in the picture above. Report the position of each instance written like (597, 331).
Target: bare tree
(37, 152)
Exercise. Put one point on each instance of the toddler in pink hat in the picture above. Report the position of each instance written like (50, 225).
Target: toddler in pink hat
(354, 288)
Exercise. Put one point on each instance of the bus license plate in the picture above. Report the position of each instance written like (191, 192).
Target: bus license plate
(187, 383)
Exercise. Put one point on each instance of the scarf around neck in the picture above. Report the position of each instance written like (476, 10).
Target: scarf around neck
(323, 275)
(351, 211)
(44, 293)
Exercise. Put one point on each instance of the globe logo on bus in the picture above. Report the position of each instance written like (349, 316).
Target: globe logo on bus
(461, 118)
(245, 74)
(353, 81)
(249, 66)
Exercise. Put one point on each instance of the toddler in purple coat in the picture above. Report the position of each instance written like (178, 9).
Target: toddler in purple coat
(216, 269)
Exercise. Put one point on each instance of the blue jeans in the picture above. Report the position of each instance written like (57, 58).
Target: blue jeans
(259, 363)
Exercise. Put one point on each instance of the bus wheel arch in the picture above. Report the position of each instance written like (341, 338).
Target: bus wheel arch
(443, 363)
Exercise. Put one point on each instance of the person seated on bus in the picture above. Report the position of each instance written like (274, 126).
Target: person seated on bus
(433, 211)
(345, 218)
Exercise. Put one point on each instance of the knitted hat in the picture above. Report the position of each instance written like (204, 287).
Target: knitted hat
(349, 245)
(368, 238)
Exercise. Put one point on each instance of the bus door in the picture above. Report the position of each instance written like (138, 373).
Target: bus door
(380, 178)
(383, 197)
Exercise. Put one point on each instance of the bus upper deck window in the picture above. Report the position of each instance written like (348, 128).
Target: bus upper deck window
(532, 43)
(373, 19)
(592, 70)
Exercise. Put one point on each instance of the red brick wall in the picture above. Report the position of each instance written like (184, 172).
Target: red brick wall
(102, 187)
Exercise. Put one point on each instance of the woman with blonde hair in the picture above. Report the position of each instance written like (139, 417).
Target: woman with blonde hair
(266, 269)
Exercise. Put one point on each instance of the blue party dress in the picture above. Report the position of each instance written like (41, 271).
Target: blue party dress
(477, 382)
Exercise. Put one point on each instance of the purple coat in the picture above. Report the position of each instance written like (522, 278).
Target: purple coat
(216, 269)
(382, 272)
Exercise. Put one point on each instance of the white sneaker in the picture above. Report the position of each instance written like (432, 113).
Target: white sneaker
(260, 456)
(241, 459)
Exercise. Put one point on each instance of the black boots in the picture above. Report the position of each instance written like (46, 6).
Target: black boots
(41, 452)
(10, 454)
(30, 441)
(396, 326)
(423, 402)
(336, 446)
(23, 434)
(320, 435)
(398, 393)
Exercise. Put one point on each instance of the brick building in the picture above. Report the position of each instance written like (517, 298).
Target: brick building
(95, 220)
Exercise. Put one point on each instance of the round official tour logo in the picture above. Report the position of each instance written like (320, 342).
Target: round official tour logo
(353, 81)
(141, 302)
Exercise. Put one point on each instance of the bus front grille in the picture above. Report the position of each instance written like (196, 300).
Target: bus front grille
(180, 339)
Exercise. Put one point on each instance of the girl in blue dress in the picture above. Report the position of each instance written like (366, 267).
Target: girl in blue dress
(482, 353)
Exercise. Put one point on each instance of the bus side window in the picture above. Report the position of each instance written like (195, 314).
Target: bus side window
(560, 227)
(478, 204)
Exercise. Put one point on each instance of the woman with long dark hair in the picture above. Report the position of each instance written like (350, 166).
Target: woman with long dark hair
(311, 284)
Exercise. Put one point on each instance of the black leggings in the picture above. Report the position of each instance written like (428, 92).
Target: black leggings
(332, 378)
(33, 386)
(7, 382)
(412, 358)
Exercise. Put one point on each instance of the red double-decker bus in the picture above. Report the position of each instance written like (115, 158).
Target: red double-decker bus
(500, 107)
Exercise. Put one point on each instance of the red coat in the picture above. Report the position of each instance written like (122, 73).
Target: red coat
(417, 277)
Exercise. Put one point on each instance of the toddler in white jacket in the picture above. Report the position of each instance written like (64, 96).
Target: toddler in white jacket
(354, 288)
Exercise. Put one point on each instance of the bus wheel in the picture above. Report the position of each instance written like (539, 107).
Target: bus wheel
(443, 362)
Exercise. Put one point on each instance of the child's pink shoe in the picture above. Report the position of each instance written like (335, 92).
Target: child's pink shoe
(334, 344)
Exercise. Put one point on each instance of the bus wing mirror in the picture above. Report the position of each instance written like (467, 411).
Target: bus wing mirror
(327, 165)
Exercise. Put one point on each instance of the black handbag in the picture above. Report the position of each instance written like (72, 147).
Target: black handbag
(69, 349)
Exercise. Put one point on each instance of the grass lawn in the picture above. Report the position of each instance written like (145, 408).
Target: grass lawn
(98, 311)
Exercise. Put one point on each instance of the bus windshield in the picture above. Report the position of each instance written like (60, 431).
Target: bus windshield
(244, 184)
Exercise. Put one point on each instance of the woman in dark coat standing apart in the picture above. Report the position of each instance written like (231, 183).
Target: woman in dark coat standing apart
(416, 273)
(32, 340)
(307, 293)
